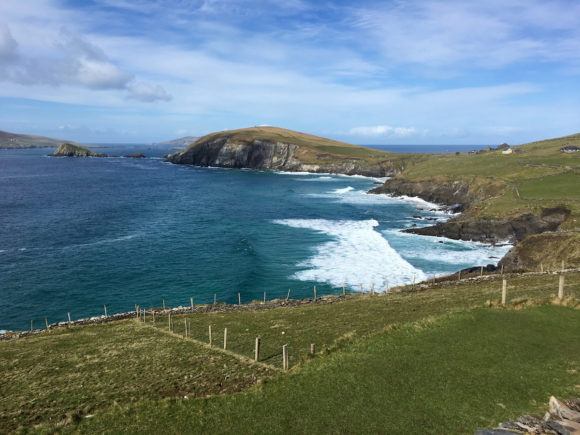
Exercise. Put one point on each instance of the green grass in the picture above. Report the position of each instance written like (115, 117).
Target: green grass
(561, 187)
(541, 174)
(126, 373)
(451, 375)
(332, 325)
(66, 374)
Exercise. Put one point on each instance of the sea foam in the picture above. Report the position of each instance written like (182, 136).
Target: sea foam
(443, 250)
(357, 256)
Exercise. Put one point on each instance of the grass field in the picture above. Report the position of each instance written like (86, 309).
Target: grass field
(370, 372)
(447, 375)
(60, 377)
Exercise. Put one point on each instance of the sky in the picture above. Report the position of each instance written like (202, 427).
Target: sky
(367, 72)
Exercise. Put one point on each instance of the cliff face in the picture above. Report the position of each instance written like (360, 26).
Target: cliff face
(226, 153)
(544, 252)
(452, 193)
(70, 150)
(461, 196)
(496, 230)
(278, 149)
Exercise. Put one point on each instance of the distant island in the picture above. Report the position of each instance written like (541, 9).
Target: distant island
(179, 142)
(72, 150)
(281, 149)
(22, 141)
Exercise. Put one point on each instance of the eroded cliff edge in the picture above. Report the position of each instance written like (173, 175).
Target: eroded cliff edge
(538, 242)
(284, 150)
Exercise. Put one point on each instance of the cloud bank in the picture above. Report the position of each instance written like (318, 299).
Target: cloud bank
(438, 71)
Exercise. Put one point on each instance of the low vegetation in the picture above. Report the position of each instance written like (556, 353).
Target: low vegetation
(374, 365)
(536, 176)
(441, 375)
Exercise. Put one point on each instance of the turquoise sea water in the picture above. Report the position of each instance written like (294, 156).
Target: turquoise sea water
(76, 234)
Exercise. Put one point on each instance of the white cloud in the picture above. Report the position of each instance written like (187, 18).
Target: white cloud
(73, 60)
(457, 35)
(147, 92)
(384, 131)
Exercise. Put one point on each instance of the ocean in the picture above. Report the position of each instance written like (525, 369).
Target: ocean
(77, 234)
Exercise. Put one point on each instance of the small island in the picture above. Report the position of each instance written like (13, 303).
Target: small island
(70, 150)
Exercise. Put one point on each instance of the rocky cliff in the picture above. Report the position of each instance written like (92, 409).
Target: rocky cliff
(279, 149)
(461, 195)
(70, 150)
(497, 230)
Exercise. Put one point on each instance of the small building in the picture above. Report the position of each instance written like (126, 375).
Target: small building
(570, 149)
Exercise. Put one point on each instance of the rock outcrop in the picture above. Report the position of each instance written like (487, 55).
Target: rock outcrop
(460, 195)
(278, 149)
(497, 230)
(456, 194)
(544, 252)
(70, 150)
(563, 418)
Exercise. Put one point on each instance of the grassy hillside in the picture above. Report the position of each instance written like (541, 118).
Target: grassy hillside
(312, 148)
(447, 375)
(14, 140)
(374, 366)
(536, 175)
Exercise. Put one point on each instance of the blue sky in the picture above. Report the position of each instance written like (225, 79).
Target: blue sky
(417, 72)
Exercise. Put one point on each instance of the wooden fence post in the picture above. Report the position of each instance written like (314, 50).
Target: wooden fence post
(343, 290)
(459, 276)
(561, 287)
(215, 298)
(288, 295)
(239, 299)
(185, 328)
(210, 336)
(69, 321)
(225, 338)
(105, 307)
(163, 304)
(314, 291)
(312, 349)
(481, 271)
(264, 298)
(503, 291)
(285, 357)
(257, 349)
(31, 325)
(563, 266)
(169, 322)
(191, 302)
(46, 322)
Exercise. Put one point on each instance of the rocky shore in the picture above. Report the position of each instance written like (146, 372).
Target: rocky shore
(71, 150)
(460, 196)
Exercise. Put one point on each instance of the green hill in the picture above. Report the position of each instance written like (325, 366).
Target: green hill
(14, 140)
(280, 149)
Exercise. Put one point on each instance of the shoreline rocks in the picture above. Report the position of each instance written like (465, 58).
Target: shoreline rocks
(71, 150)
